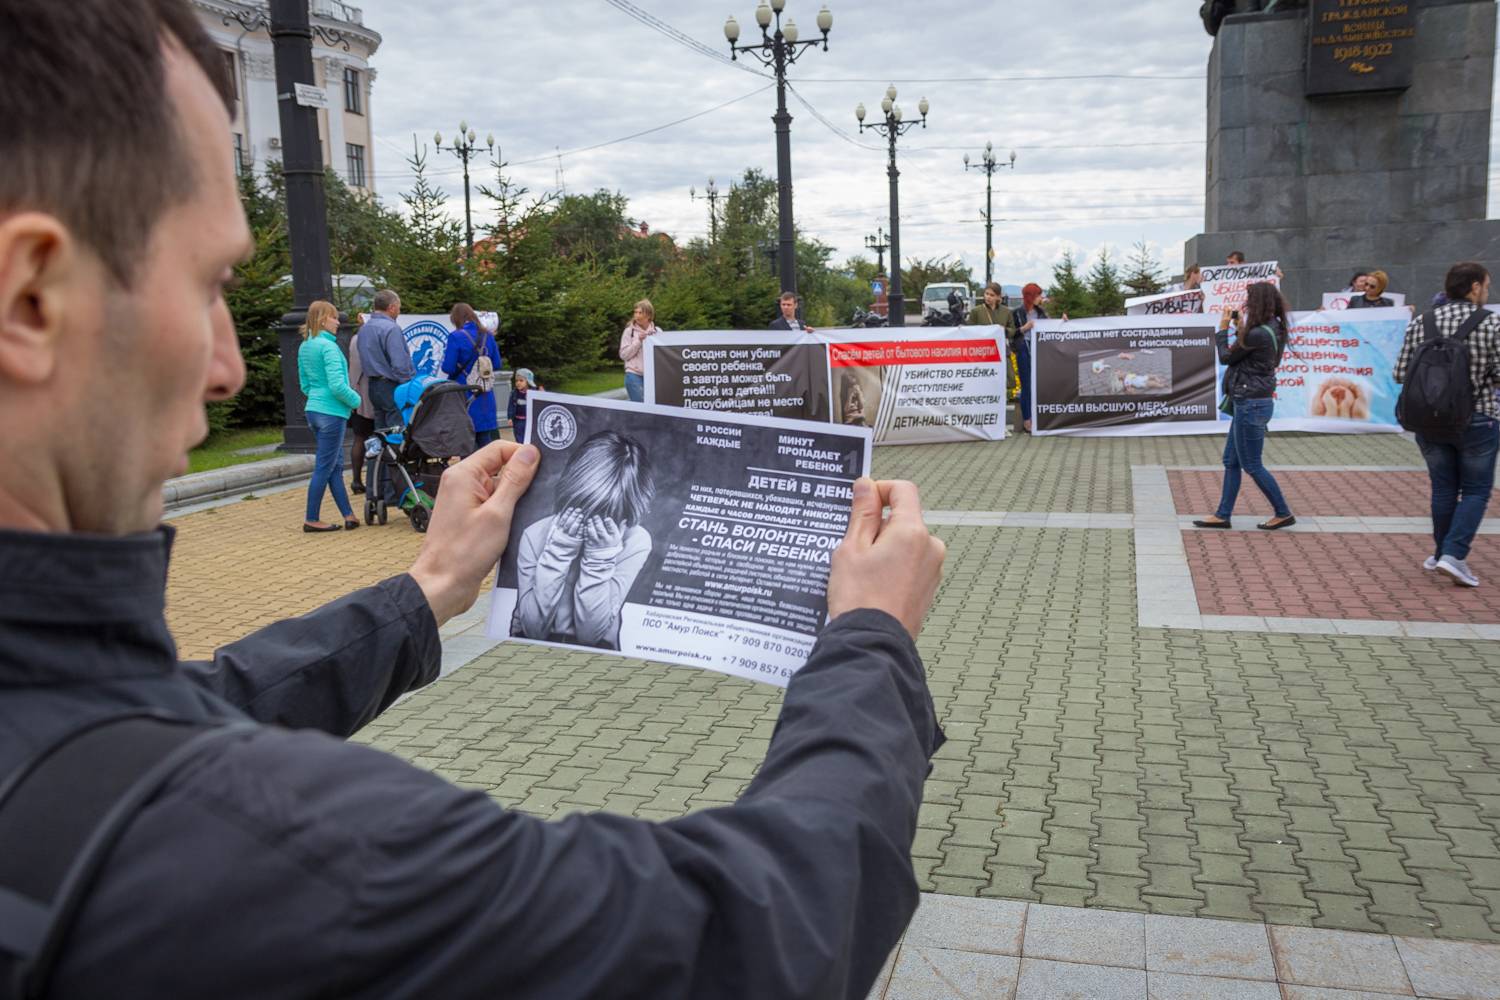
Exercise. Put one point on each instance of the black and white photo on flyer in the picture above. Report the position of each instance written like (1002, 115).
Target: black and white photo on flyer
(676, 535)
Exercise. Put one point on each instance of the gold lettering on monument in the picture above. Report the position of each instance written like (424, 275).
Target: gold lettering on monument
(1358, 35)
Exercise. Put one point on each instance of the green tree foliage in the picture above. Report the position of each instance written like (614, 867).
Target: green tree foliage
(423, 259)
(1068, 295)
(1103, 280)
(1143, 273)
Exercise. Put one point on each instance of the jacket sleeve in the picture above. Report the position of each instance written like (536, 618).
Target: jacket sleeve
(1415, 334)
(604, 581)
(336, 372)
(800, 889)
(541, 578)
(630, 344)
(333, 669)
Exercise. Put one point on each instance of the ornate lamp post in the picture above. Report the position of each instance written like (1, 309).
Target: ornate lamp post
(880, 245)
(893, 127)
(989, 165)
(776, 50)
(465, 146)
(712, 195)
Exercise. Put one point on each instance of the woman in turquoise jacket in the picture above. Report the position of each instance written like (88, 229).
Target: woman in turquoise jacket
(324, 375)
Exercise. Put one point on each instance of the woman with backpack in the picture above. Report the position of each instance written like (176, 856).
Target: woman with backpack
(1252, 356)
(473, 358)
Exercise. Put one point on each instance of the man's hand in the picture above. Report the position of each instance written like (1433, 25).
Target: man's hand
(891, 565)
(471, 524)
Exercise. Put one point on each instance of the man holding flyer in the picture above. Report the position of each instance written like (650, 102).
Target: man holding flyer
(272, 858)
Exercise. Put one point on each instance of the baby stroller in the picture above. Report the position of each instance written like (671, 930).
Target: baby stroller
(437, 429)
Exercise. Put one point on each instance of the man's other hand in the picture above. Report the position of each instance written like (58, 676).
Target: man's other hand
(471, 524)
(888, 564)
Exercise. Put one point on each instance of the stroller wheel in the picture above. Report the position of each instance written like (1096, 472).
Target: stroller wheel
(380, 511)
(369, 512)
(420, 517)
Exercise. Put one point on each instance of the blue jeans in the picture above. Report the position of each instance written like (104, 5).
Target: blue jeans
(1247, 439)
(387, 414)
(482, 438)
(1023, 370)
(635, 387)
(328, 471)
(1462, 475)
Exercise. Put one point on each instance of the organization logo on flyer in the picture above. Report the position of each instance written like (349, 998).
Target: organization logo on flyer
(556, 428)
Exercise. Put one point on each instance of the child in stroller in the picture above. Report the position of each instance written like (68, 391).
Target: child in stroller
(413, 456)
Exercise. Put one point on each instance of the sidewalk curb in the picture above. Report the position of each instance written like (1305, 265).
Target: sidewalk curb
(234, 479)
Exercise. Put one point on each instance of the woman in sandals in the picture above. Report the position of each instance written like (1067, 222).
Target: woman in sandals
(1252, 355)
(324, 376)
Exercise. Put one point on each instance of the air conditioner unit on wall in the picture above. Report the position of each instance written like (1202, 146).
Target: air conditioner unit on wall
(274, 142)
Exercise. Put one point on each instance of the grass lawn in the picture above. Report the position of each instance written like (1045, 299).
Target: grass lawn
(586, 383)
(219, 450)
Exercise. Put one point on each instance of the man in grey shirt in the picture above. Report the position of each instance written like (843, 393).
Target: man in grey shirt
(384, 357)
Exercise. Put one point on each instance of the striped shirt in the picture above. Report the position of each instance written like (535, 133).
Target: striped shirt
(1484, 350)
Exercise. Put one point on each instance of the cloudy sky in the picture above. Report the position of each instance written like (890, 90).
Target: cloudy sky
(1102, 101)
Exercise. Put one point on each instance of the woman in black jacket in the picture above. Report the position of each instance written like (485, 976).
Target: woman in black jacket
(1252, 358)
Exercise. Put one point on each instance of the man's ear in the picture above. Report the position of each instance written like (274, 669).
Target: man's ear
(38, 259)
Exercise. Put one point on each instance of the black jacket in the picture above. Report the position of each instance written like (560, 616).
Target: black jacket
(1252, 363)
(780, 323)
(290, 863)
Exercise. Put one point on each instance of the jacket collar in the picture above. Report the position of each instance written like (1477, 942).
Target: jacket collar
(83, 580)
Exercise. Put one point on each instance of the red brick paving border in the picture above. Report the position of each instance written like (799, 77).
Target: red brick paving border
(1337, 575)
(1311, 494)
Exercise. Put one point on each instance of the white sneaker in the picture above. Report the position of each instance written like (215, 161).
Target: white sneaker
(1459, 570)
(1430, 563)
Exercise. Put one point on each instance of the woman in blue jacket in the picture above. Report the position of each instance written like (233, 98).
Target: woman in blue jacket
(468, 342)
(324, 376)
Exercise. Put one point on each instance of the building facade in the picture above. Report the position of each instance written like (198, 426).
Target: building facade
(345, 126)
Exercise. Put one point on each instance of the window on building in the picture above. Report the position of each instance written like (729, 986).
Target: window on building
(356, 158)
(234, 76)
(240, 165)
(353, 99)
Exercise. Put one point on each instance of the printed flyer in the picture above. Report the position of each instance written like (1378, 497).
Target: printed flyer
(1125, 375)
(687, 537)
(908, 386)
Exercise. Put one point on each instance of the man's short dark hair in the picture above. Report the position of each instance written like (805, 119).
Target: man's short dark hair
(1238, 256)
(1461, 279)
(384, 299)
(87, 132)
(788, 295)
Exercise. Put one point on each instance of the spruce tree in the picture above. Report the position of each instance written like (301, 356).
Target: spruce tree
(1068, 294)
(1143, 271)
(1104, 286)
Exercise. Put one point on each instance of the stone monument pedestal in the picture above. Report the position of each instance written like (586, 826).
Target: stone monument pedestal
(1328, 185)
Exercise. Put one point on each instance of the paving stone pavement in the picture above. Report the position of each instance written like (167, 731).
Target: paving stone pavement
(1344, 782)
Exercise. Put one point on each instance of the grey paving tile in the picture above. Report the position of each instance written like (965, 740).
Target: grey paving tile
(1043, 980)
(1074, 934)
(1319, 993)
(1198, 947)
(962, 923)
(938, 974)
(1168, 986)
(1339, 959)
(1458, 969)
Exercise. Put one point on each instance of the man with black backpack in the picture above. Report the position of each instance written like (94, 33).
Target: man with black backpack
(1449, 368)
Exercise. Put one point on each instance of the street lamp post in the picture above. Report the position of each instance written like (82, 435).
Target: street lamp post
(880, 245)
(712, 194)
(893, 127)
(777, 50)
(465, 146)
(989, 165)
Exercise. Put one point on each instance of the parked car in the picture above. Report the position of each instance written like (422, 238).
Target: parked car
(935, 300)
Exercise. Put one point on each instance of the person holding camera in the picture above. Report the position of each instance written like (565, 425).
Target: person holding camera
(1252, 352)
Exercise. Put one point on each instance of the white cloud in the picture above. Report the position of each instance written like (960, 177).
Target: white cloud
(560, 76)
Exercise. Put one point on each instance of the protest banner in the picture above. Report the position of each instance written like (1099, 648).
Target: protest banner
(1124, 375)
(1166, 304)
(681, 536)
(909, 386)
(1338, 372)
(1225, 286)
(1340, 300)
(427, 338)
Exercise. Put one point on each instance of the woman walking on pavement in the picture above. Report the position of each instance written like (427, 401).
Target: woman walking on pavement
(324, 376)
(1252, 356)
(463, 362)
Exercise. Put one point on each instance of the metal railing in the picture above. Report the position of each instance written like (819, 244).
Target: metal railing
(337, 10)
